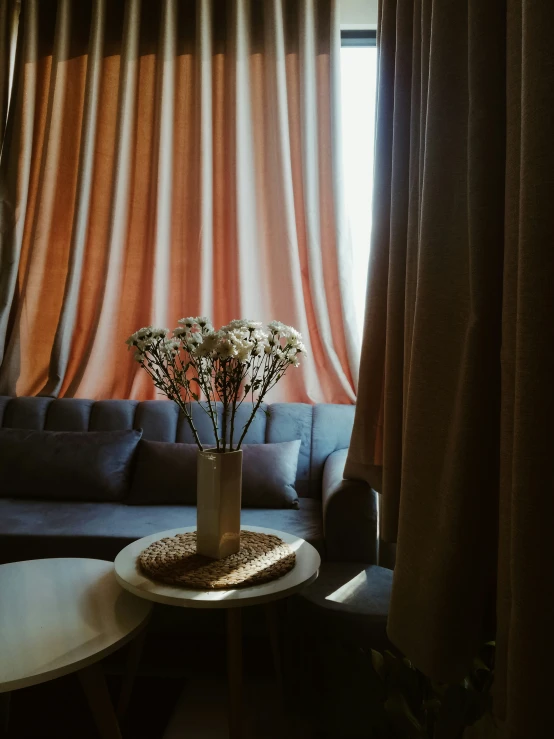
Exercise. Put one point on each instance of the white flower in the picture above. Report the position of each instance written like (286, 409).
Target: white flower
(192, 343)
(259, 348)
(238, 336)
(244, 324)
(212, 338)
(153, 332)
(169, 348)
(201, 351)
(293, 336)
(208, 345)
(143, 344)
(259, 335)
(225, 348)
(134, 338)
(188, 322)
(234, 324)
(284, 336)
(243, 353)
(292, 354)
(274, 350)
(146, 336)
(158, 333)
(276, 327)
(239, 339)
(254, 325)
(192, 330)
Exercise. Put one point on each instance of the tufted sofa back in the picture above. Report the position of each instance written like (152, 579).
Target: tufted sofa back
(322, 428)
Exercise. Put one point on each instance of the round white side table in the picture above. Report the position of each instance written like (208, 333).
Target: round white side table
(64, 615)
(304, 572)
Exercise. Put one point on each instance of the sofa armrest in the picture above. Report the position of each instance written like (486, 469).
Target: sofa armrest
(350, 518)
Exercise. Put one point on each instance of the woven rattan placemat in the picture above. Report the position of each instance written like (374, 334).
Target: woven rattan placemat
(260, 559)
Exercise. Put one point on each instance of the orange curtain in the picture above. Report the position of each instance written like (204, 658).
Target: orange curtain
(454, 415)
(167, 158)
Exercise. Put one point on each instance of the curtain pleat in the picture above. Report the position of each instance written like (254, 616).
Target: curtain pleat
(248, 213)
(457, 360)
(15, 184)
(526, 550)
(66, 325)
(9, 26)
(164, 167)
(124, 196)
(206, 242)
(166, 159)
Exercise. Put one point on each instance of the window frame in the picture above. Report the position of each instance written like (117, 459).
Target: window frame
(358, 37)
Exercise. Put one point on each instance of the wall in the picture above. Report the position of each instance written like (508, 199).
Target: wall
(358, 13)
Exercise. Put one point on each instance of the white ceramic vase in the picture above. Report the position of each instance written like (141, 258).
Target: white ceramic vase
(218, 502)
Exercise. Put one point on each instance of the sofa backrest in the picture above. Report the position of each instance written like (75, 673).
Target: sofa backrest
(322, 428)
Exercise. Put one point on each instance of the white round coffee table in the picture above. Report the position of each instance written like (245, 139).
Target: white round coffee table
(64, 615)
(304, 572)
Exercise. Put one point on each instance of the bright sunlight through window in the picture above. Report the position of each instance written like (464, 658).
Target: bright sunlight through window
(359, 78)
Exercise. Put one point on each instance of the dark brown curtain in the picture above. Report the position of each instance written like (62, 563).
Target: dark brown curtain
(455, 405)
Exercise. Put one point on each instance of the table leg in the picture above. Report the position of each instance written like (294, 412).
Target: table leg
(131, 668)
(4, 714)
(97, 695)
(273, 625)
(234, 671)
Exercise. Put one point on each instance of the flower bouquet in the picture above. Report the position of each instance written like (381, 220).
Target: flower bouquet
(243, 360)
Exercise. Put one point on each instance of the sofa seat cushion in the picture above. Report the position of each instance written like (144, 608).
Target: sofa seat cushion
(32, 529)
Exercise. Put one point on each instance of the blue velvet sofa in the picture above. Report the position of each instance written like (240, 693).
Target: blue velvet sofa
(338, 516)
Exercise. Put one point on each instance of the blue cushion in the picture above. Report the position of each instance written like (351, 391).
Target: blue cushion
(166, 473)
(66, 465)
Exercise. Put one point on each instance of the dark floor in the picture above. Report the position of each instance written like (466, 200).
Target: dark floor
(57, 710)
(327, 691)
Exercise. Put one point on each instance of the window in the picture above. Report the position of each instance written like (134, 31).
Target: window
(358, 82)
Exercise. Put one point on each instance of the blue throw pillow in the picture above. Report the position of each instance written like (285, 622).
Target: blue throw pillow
(166, 473)
(66, 465)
